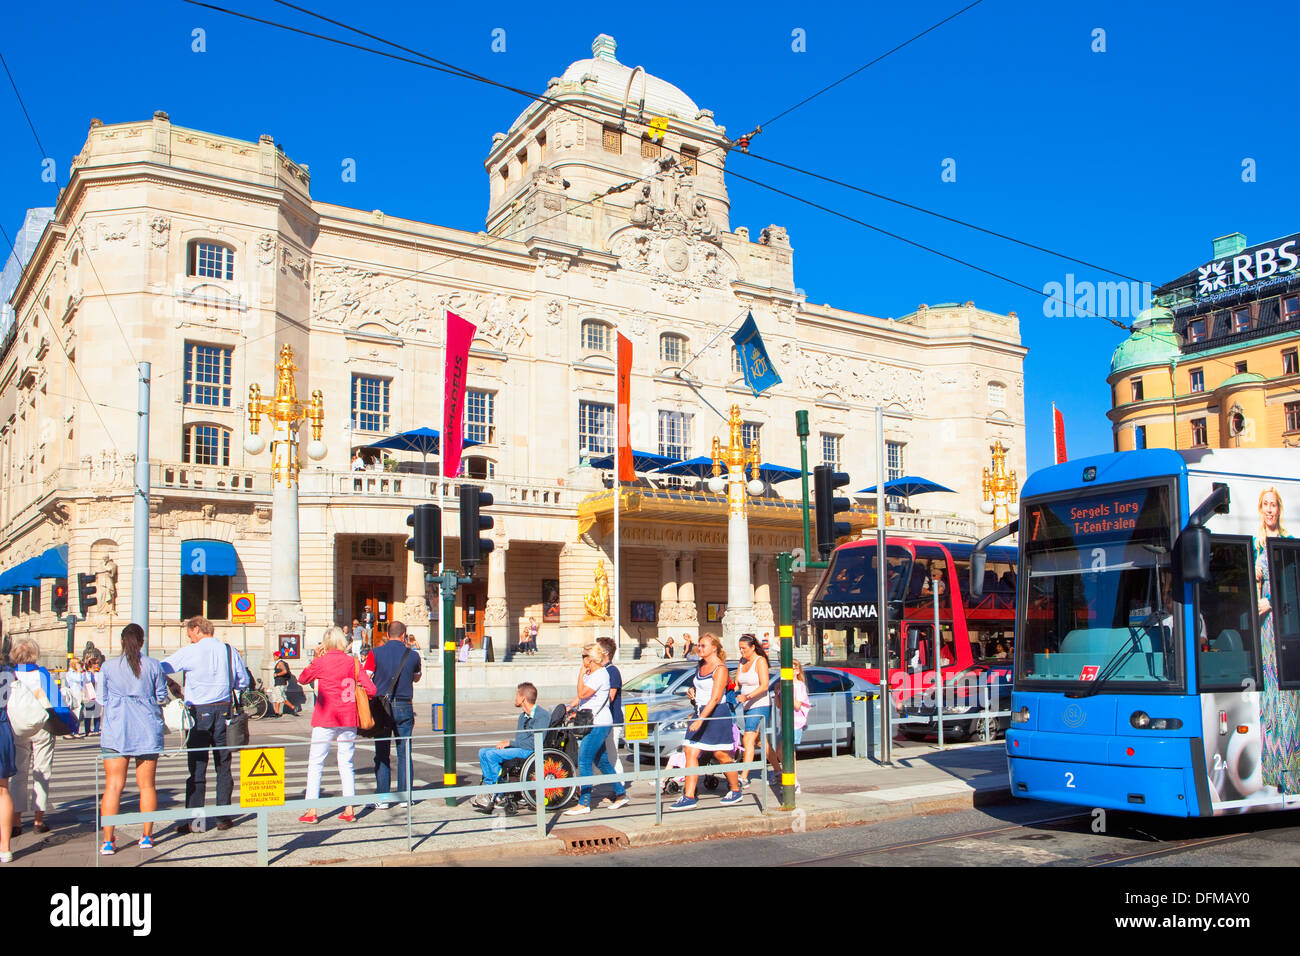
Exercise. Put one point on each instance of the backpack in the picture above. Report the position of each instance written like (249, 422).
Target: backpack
(26, 713)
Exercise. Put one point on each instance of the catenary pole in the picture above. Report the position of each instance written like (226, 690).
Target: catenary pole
(140, 523)
(881, 592)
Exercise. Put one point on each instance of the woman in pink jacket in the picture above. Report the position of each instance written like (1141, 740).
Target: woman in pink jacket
(334, 718)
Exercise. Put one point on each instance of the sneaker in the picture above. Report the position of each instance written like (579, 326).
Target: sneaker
(619, 802)
(107, 849)
(400, 805)
(746, 783)
(797, 788)
(684, 803)
(381, 806)
(6, 857)
(483, 803)
(578, 810)
(308, 817)
(733, 796)
(146, 843)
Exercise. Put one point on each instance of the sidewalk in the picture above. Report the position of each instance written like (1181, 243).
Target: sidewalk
(836, 791)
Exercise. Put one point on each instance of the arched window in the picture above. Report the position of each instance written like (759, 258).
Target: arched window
(595, 336)
(672, 348)
(205, 445)
(211, 260)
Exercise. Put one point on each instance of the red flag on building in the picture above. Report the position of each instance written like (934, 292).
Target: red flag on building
(1058, 434)
(626, 471)
(459, 335)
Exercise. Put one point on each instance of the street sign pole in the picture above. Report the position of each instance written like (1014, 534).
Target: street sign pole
(938, 665)
(786, 577)
(882, 595)
(449, 582)
(72, 634)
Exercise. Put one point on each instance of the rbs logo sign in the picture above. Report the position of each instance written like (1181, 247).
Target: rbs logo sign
(1250, 266)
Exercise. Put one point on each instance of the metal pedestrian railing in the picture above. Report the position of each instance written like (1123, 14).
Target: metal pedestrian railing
(452, 794)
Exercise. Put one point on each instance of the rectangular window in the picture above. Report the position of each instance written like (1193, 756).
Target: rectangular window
(1290, 308)
(831, 445)
(1139, 436)
(1225, 616)
(612, 140)
(207, 375)
(1290, 366)
(1292, 416)
(478, 417)
(1284, 574)
(206, 596)
(749, 432)
(1196, 330)
(672, 348)
(595, 336)
(1199, 433)
(675, 434)
(1240, 320)
(212, 261)
(894, 460)
(206, 445)
(689, 158)
(997, 395)
(1241, 367)
(1197, 376)
(650, 149)
(595, 429)
(369, 404)
(1137, 389)
(36, 599)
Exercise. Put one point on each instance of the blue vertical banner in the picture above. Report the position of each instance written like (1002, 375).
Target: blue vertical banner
(759, 373)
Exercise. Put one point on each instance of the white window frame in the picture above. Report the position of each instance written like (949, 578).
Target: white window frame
(895, 459)
(832, 449)
(595, 428)
(673, 340)
(595, 335)
(480, 416)
(676, 431)
(1196, 379)
(190, 445)
(751, 432)
(209, 259)
(380, 414)
(192, 384)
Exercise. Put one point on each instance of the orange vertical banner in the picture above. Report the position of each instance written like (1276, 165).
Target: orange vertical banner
(626, 471)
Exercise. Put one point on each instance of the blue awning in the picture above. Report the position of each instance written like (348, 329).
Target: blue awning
(50, 563)
(208, 557)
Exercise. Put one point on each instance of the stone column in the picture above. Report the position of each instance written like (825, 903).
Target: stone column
(496, 624)
(668, 608)
(688, 615)
(763, 612)
(739, 618)
(415, 609)
(577, 564)
(284, 613)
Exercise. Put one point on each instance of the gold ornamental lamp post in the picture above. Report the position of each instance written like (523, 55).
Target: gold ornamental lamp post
(1000, 488)
(285, 413)
(739, 618)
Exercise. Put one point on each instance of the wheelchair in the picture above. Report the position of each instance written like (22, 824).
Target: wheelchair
(559, 764)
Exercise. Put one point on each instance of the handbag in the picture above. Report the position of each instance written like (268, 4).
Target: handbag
(581, 723)
(236, 722)
(384, 721)
(364, 720)
(26, 712)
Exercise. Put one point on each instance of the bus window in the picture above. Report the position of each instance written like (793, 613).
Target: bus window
(1226, 631)
(1284, 606)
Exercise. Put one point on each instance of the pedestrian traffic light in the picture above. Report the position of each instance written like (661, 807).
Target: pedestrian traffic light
(825, 481)
(59, 597)
(426, 538)
(472, 547)
(86, 593)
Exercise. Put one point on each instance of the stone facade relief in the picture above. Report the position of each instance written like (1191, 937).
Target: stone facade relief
(159, 231)
(862, 381)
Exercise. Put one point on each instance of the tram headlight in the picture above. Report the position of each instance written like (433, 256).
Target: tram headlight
(1020, 716)
(1141, 720)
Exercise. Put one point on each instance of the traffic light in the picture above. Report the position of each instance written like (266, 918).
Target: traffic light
(426, 538)
(472, 547)
(59, 597)
(825, 481)
(86, 593)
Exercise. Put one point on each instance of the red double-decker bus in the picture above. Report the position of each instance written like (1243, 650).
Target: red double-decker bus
(976, 634)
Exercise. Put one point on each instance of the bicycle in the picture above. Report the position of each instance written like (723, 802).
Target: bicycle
(255, 701)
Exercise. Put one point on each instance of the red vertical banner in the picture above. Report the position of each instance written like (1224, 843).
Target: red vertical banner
(626, 471)
(1058, 432)
(459, 335)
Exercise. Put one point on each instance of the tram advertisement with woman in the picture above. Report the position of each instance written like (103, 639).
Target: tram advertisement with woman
(1158, 665)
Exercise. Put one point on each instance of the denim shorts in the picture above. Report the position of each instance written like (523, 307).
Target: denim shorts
(756, 716)
(107, 754)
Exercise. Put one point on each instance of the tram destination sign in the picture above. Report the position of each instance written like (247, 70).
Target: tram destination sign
(1127, 515)
(843, 612)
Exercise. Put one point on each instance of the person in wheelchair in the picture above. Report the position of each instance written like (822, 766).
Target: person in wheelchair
(532, 718)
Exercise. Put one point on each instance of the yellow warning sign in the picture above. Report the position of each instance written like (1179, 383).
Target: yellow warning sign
(261, 777)
(635, 719)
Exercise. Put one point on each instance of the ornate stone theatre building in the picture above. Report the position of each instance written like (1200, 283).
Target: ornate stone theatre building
(205, 255)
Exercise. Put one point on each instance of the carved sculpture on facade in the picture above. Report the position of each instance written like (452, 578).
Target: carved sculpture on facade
(159, 230)
(106, 585)
(864, 381)
(596, 600)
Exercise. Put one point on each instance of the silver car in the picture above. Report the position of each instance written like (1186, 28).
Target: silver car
(663, 692)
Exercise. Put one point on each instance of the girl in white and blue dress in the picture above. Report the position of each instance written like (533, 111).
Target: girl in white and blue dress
(714, 735)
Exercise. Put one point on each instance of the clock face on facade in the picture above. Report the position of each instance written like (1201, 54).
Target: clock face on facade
(677, 255)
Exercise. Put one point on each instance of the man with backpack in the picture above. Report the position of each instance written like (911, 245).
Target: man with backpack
(397, 669)
(531, 719)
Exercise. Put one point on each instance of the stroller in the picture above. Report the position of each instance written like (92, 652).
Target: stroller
(710, 781)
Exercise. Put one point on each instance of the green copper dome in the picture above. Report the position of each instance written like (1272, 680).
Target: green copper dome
(1242, 378)
(1153, 342)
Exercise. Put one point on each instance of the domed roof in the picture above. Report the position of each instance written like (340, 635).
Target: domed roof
(1153, 342)
(1242, 378)
(661, 97)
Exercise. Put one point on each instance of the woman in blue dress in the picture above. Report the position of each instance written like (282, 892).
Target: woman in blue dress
(713, 735)
(8, 766)
(1279, 721)
(132, 690)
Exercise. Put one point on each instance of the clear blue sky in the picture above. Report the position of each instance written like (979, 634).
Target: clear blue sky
(1129, 158)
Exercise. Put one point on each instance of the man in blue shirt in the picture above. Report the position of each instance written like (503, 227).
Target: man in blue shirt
(213, 672)
(490, 759)
(397, 666)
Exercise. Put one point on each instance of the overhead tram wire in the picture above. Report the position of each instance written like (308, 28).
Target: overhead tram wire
(458, 71)
(848, 76)
(30, 124)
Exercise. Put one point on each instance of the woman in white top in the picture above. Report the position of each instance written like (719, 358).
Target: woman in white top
(711, 729)
(753, 696)
(593, 696)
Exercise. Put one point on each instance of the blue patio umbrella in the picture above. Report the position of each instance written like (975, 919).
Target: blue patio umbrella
(424, 440)
(702, 467)
(907, 486)
(641, 461)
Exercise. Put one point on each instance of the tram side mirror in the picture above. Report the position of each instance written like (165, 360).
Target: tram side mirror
(977, 560)
(1194, 554)
(913, 643)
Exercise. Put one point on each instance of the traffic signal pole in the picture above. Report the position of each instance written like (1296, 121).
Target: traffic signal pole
(448, 580)
(140, 513)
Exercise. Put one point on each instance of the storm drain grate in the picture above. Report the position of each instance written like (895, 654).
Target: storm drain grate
(596, 839)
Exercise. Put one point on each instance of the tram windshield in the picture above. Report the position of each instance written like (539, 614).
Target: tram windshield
(1099, 598)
